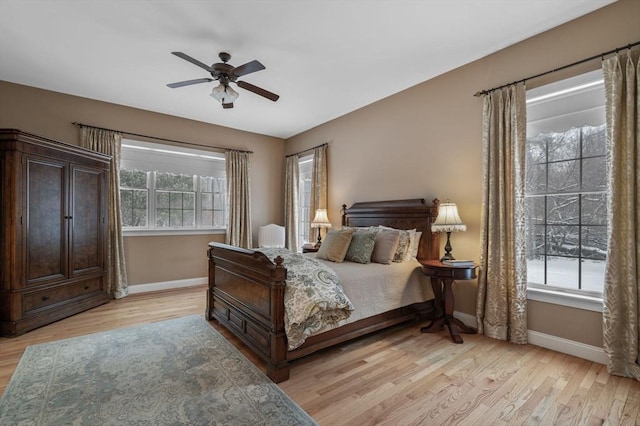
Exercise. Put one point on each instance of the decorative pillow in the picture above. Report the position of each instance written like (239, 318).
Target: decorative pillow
(361, 247)
(403, 243)
(403, 247)
(413, 246)
(335, 245)
(386, 246)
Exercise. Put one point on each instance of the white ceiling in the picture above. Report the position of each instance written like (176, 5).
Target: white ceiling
(324, 58)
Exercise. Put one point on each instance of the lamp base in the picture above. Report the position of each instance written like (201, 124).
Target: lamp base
(319, 242)
(447, 250)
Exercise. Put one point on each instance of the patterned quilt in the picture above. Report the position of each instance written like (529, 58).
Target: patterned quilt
(313, 297)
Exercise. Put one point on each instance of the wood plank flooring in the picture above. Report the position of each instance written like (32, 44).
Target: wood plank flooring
(398, 376)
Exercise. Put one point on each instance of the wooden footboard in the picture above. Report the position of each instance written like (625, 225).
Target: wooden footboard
(246, 294)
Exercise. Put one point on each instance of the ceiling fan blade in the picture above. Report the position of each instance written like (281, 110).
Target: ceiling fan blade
(258, 90)
(227, 106)
(189, 82)
(193, 61)
(247, 68)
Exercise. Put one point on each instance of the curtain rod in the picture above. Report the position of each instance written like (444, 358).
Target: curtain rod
(159, 139)
(602, 55)
(307, 150)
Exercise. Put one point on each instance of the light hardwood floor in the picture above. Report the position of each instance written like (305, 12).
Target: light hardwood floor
(398, 376)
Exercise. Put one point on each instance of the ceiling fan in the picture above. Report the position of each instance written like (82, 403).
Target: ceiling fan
(225, 74)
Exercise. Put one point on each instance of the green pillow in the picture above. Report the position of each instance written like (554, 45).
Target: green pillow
(361, 247)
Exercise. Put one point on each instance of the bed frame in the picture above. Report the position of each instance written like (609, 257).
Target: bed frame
(246, 289)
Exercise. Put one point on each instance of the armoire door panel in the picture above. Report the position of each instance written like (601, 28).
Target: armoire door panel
(86, 231)
(45, 221)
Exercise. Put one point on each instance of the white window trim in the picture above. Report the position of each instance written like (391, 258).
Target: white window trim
(165, 232)
(580, 301)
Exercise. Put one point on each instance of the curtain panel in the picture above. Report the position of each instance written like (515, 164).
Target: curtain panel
(239, 199)
(621, 328)
(108, 142)
(318, 182)
(291, 200)
(501, 309)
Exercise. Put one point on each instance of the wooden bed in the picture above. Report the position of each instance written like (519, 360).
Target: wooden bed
(246, 289)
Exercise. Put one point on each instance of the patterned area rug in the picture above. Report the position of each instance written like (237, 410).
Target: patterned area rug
(178, 371)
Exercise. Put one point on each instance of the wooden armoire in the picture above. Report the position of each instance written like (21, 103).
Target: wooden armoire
(53, 230)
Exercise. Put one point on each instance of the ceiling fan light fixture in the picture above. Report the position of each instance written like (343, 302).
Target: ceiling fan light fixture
(224, 94)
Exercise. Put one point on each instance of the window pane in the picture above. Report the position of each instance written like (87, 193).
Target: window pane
(207, 218)
(140, 199)
(175, 218)
(594, 209)
(133, 178)
(162, 200)
(564, 146)
(536, 241)
(563, 240)
(536, 179)
(594, 174)
(564, 176)
(188, 218)
(562, 272)
(189, 200)
(173, 182)
(594, 242)
(175, 200)
(563, 209)
(535, 270)
(207, 201)
(535, 210)
(593, 275)
(219, 218)
(594, 140)
(162, 218)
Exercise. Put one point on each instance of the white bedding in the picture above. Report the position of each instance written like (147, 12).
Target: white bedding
(375, 288)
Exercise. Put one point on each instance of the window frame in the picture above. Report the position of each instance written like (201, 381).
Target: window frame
(548, 293)
(175, 156)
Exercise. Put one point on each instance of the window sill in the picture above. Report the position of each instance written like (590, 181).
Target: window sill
(588, 303)
(166, 232)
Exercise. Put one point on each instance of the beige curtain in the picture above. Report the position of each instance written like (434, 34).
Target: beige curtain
(501, 309)
(622, 287)
(318, 183)
(239, 199)
(108, 142)
(291, 191)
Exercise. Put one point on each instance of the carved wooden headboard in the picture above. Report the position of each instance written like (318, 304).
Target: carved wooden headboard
(399, 214)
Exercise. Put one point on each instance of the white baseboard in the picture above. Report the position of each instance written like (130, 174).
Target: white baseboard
(166, 285)
(569, 347)
(548, 341)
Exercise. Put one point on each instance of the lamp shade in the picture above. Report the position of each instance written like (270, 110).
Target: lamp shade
(321, 220)
(448, 219)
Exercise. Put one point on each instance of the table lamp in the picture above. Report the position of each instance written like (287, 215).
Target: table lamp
(448, 221)
(321, 220)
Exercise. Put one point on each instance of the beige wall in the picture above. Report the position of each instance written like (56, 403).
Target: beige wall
(425, 142)
(152, 259)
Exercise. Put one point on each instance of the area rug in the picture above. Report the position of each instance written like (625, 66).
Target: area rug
(179, 371)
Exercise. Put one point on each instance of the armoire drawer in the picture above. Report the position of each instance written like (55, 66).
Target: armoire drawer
(33, 301)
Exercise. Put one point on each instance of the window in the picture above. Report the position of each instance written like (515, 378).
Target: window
(565, 187)
(169, 188)
(305, 168)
